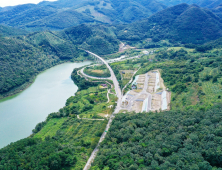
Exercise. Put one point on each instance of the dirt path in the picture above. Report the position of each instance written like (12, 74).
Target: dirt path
(88, 118)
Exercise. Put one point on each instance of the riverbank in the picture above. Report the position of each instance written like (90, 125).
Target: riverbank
(17, 90)
(20, 113)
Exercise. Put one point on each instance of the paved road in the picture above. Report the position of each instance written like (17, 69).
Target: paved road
(113, 77)
(117, 109)
(105, 78)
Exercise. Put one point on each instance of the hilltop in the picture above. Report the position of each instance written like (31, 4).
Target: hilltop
(180, 23)
(202, 3)
(218, 10)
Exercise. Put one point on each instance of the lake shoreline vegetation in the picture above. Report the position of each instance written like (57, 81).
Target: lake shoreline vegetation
(188, 57)
(17, 90)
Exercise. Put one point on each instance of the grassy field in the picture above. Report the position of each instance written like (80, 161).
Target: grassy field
(99, 106)
(51, 128)
(97, 71)
(81, 135)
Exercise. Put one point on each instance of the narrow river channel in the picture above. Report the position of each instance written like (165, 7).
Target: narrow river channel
(20, 114)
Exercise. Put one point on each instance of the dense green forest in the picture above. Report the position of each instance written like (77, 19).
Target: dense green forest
(203, 3)
(20, 63)
(181, 23)
(62, 143)
(166, 140)
(33, 153)
(22, 59)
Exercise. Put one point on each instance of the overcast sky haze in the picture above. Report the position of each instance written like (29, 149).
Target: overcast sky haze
(4, 3)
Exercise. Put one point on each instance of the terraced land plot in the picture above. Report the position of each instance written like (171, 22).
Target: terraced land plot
(150, 94)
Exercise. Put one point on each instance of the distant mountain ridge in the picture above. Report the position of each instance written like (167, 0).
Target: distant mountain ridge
(183, 23)
(201, 3)
(66, 13)
(218, 10)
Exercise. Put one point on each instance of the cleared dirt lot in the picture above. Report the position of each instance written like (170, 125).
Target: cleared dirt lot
(150, 89)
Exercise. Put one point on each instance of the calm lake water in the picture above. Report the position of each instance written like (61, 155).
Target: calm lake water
(49, 92)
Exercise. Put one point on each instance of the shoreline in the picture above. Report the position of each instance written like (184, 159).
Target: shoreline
(57, 76)
(18, 90)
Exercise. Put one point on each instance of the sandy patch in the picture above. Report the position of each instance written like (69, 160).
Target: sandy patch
(97, 71)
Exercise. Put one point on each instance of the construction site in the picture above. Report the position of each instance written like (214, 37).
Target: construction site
(148, 94)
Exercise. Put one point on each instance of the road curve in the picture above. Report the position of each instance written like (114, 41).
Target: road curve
(101, 78)
(117, 109)
(113, 77)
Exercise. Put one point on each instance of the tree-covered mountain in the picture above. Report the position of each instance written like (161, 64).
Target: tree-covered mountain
(65, 13)
(218, 10)
(180, 23)
(23, 57)
(213, 5)
(202, 3)
(11, 31)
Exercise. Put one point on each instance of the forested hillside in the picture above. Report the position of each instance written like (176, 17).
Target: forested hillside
(23, 57)
(65, 13)
(20, 63)
(202, 3)
(166, 140)
(11, 31)
(218, 10)
(180, 23)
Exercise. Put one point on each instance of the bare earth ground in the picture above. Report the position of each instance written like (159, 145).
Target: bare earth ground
(135, 98)
(123, 47)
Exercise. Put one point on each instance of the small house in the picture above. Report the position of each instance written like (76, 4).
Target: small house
(134, 86)
(104, 85)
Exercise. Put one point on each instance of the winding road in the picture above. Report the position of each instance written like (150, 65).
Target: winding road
(117, 109)
(101, 78)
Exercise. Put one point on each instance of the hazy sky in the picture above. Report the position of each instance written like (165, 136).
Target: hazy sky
(4, 3)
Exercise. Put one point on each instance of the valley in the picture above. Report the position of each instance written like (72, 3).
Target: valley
(111, 85)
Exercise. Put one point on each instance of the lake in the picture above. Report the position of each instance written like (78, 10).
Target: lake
(20, 114)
